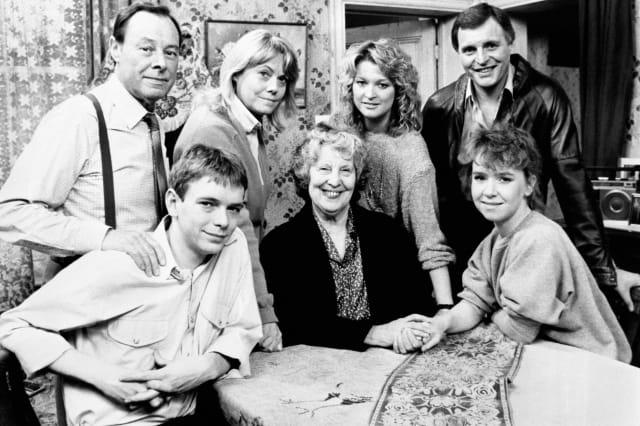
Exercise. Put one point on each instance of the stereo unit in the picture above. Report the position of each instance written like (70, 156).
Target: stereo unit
(634, 217)
(619, 196)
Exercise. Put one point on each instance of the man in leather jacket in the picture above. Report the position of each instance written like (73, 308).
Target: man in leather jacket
(500, 87)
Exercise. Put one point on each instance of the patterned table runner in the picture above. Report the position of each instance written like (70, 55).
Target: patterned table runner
(462, 381)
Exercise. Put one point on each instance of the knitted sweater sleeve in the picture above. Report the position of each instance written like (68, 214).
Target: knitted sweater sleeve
(526, 291)
(419, 205)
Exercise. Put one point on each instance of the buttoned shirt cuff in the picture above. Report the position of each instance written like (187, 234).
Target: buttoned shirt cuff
(92, 237)
(36, 349)
(605, 276)
(237, 344)
(234, 363)
(521, 330)
(267, 314)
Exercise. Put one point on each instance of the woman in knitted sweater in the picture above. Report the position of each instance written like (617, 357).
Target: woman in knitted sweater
(257, 81)
(380, 101)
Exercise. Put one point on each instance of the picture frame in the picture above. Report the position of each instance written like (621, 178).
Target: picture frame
(221, 34)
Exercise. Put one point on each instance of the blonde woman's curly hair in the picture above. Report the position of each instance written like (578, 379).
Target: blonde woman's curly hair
(397, 67)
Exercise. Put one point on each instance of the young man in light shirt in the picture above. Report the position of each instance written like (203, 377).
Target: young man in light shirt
(135, 347)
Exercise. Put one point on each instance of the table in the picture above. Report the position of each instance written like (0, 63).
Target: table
(561, 385)
(294, 387)
(305, 385)
(624, 245)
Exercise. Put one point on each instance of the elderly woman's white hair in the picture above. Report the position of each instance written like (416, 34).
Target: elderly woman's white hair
(346, 143)
(254, 48)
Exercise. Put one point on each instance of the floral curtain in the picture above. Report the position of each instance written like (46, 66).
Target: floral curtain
(49, 51)
(42, 61)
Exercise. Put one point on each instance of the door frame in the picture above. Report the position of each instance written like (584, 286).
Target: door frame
(337, 10)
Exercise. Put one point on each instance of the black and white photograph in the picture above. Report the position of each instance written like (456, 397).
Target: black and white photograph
(319, 212)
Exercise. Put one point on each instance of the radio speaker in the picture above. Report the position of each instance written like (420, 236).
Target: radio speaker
(615, 204)
(618, 192)
(615, 198)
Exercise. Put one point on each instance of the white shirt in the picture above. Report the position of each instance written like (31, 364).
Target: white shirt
(251, 127)
(114, 312)
(476, 112)
(53, 200)
(474, 118)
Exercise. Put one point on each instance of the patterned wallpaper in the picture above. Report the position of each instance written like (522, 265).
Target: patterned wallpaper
(568, 77)
(193, 13)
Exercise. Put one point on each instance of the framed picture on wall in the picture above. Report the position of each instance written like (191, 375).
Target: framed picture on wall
(221, 35)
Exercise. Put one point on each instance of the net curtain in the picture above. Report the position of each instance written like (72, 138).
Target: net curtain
(49, 51)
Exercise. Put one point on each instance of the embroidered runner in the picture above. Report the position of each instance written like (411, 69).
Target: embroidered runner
(462, 381)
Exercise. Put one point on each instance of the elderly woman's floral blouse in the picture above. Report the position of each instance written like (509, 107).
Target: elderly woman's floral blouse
(351, 292)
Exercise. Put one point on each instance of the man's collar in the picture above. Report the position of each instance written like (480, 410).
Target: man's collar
(162, 238)
(244, 117)
(125, 112)
(171, 270)
(470, 94)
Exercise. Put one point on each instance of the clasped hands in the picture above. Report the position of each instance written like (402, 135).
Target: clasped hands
(152, 388)
(413, 332)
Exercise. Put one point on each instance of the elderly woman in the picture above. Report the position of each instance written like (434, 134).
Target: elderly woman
(342, 276)
(257, 81)
(380, 101)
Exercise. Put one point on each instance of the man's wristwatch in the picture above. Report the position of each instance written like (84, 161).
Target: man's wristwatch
(444, 306)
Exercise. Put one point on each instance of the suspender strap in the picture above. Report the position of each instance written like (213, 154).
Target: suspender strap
(107, 169)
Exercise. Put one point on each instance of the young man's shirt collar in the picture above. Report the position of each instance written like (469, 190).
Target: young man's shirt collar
(171, 270)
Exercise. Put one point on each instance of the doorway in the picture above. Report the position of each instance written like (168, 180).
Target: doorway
(431, 49)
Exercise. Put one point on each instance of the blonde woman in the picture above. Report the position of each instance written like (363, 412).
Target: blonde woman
(257, 81)
(379, 101)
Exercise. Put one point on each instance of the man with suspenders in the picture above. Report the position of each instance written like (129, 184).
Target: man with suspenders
(93, 175)
(61, 198)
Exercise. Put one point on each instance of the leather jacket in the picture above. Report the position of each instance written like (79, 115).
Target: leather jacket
(540, 106)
